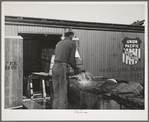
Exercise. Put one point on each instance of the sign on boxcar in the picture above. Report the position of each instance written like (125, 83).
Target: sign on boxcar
(131, 50)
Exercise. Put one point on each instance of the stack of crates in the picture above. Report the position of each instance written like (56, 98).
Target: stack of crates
(46, 54)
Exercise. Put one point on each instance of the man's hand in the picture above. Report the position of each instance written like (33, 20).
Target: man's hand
(77, 71)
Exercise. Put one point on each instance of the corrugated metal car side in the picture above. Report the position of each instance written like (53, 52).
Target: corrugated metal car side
(101, 51)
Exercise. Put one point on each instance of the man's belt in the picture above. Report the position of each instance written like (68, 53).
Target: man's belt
(60, 62)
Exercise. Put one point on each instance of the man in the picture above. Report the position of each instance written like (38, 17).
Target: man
(64, 55)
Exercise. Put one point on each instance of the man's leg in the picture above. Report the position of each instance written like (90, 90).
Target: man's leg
(63, 85)
(55, 82)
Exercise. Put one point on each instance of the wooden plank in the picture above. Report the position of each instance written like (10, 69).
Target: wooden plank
(20, 73)
(46, 103)
(32, 105)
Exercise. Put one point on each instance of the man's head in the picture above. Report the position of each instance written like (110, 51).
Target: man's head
(69, 35)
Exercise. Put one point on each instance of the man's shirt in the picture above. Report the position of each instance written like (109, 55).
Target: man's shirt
(65, 52)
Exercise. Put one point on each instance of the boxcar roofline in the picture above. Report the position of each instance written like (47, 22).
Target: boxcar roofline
(14, 20)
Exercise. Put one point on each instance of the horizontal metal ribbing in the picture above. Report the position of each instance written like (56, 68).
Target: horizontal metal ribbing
(73, 24)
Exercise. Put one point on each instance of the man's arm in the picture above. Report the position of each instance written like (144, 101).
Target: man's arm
(72, 60)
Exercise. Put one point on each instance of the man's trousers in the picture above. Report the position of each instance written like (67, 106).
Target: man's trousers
(60, 85)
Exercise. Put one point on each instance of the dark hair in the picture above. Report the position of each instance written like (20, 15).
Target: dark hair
(67, 34)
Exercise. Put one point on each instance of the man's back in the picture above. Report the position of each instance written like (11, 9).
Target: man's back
(62, 51)
(65, 52)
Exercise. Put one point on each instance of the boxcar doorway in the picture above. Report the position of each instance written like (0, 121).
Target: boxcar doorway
(37, 52)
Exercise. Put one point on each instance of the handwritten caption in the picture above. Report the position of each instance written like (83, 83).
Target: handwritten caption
(80, 112)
